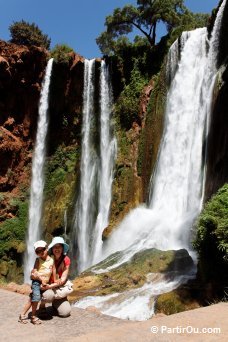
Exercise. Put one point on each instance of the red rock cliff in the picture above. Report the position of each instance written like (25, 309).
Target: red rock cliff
(21, 73)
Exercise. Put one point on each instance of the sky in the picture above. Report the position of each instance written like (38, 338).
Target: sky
(76, 23)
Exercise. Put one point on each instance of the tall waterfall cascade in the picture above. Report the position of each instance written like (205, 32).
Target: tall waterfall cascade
(37, 183)
(87, 171)
(96, 168)
(108, 147)
(176, 187)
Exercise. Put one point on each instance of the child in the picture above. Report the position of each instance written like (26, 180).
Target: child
(44, 268)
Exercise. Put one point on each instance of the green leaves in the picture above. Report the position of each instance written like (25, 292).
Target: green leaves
(128, 103)
(212, 227)
(23, 33)
(61, 53)
(145, 17)
(13, 230)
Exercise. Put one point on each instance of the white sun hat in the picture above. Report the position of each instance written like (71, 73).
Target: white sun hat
(40, 244)
(56, 240)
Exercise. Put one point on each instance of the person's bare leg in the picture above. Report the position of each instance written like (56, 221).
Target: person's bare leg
(26, 307)
(23, 317)
(34, 318)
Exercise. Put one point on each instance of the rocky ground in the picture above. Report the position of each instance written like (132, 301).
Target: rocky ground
(88, 325)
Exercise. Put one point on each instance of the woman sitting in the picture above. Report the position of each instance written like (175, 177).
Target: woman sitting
(58, 248)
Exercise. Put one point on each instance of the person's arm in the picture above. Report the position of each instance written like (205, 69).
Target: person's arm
(34, 273)
(48, 286)
(64, 276)
(54, 273)
(62, 280)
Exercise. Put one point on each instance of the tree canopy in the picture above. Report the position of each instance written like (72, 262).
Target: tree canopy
(145, 17)
(24, 33)
(61, 53)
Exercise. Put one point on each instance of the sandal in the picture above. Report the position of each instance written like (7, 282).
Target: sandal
(23, 319)
(35, 320)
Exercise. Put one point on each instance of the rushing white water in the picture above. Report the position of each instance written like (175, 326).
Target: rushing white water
(177, 185)
(135, 304)
(172, 61)
(108, 148)
(37, 183)
(84, 213)
(93, 206)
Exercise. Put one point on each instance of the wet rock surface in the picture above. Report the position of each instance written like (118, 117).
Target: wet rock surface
(131, 274)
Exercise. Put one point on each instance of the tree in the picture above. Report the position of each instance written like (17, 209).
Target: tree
(23, 33)
(145, 18)
(61, 53)
(188, 21)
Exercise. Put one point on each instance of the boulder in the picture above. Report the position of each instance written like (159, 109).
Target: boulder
(145, 266)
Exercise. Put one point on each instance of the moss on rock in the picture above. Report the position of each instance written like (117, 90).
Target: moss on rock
(132, 274)
(61, 178)
(152, 131)
(175, 301)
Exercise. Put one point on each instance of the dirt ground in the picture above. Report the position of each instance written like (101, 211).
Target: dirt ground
(203, 324)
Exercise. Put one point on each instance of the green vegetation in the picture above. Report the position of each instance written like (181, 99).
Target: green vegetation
(141, 152)
(188, 21)
(59, 165)
(2, 196)
(151, 133)
(13, 230)
(23, 33)
(61, 53)
(147, 265)
(59, 191)
(127, 105)
(211, 242)
(212, 227)
(169, 304)
(145, 17)
(176, 301)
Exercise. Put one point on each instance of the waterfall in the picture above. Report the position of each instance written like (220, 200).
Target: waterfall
(178, 181)
(37, 183)
(85, 203)
(107, 158)
(176, 186)
(93, 205)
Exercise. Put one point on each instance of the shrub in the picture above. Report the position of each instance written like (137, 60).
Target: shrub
(127, 106)
(13, 230)
(61, 163)
(212, 227)
(23, 33)
(61, 53)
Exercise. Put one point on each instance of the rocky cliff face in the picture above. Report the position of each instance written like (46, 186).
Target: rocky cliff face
(21, 72)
